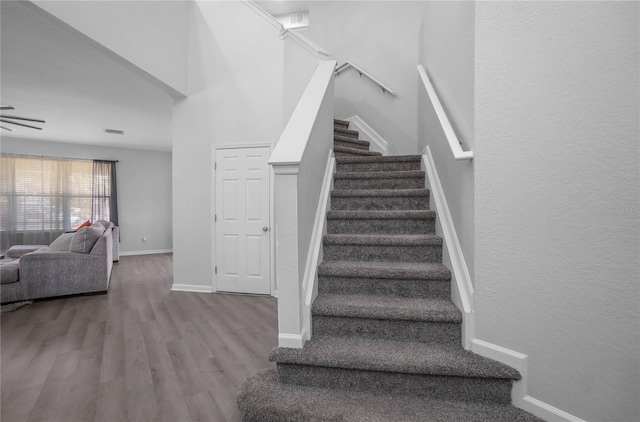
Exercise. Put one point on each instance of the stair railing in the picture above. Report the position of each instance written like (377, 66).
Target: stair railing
(348, 65)
(454, 142)
(305, 42)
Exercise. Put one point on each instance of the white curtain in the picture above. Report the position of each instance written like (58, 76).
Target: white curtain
(42, 197)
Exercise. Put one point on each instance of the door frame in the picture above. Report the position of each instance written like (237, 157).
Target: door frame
(214, 230)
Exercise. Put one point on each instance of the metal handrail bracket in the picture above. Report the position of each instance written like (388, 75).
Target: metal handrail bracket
(348, 65)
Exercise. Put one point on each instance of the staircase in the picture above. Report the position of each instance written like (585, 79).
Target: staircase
(386, 342)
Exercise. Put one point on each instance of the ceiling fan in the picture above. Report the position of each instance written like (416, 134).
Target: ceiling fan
(12, 119)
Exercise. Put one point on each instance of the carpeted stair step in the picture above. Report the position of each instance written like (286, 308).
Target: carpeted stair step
(383, 247)
(380, 199)
(262, 398)
(378, 180)
(447, 333)
(396, 279)
(381, 222)
(380, 163)
(349, 152)
(395, 367)
(343, 141)
(341, 123)
(346, 132)
(389, 308)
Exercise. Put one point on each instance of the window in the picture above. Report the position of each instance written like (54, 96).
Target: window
(51, 195)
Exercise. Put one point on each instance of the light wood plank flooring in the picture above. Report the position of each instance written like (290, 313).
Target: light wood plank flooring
(138, 353)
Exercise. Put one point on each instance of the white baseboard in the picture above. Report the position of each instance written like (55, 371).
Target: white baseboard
(294, 341)
(519, 395)
(314, 256)
(367, 133)
(462, 288)
(546, 411)
(148, 252)
(194, 288)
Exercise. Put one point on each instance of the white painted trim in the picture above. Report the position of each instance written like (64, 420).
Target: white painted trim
(378, 143)
(294, 341)
(295, 136)
(147, 252)
(546, 411)
(519, 396)
(461, 286)
(348, 65)
(285, 168)
(314, 256)
(454, 143)
(194, 288)
(460, 270)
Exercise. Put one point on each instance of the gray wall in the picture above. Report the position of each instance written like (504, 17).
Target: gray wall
(236, 97)
(557, 201)
(144, 188)
(447, 52)
(382, 38)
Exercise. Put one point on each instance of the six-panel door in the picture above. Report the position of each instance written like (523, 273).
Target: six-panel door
(242, 220)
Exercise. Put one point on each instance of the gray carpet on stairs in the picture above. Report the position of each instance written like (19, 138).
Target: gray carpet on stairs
(386, 342)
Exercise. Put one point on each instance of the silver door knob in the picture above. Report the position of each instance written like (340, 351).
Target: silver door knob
(265, 229)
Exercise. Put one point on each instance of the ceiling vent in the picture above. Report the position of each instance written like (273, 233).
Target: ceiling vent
(114, 131)
(298, 20)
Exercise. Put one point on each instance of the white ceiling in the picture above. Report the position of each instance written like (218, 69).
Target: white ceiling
(52, 73)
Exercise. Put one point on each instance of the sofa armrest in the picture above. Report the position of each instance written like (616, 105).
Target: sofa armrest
(115, 231)
(47, 274)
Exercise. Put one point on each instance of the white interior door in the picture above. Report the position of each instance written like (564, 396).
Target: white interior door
(242, 220)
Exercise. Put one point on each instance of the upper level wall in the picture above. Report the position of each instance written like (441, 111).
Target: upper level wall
(152, 35)
(557, 204)
(446, 50)
(236, 91)
(381, 38)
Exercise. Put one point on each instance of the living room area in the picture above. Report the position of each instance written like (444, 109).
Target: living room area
(135, 350)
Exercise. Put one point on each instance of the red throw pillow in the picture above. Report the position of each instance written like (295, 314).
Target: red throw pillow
(85, 224)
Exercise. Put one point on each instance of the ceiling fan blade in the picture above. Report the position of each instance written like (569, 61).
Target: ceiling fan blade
(19, 124)
(6, 128)
(6, 107)
(21, 118)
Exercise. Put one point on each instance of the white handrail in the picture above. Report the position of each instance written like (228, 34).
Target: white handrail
(348, 65)
(454, 143)
(284, 32)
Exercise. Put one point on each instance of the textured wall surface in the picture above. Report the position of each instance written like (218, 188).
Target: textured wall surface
(144, 188)
(556, 183)
(447, 53)
(235, 85)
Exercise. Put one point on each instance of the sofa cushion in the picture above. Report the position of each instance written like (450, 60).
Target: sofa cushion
(105, 223)
(84, 239)
(62, 243)
(9, 271)
(16, 251)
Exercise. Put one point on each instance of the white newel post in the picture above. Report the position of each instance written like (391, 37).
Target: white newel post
(288, 283)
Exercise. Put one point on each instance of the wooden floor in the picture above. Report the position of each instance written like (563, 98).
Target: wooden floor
(138, 353)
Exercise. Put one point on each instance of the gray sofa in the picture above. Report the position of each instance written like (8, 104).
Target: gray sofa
(79, 262)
